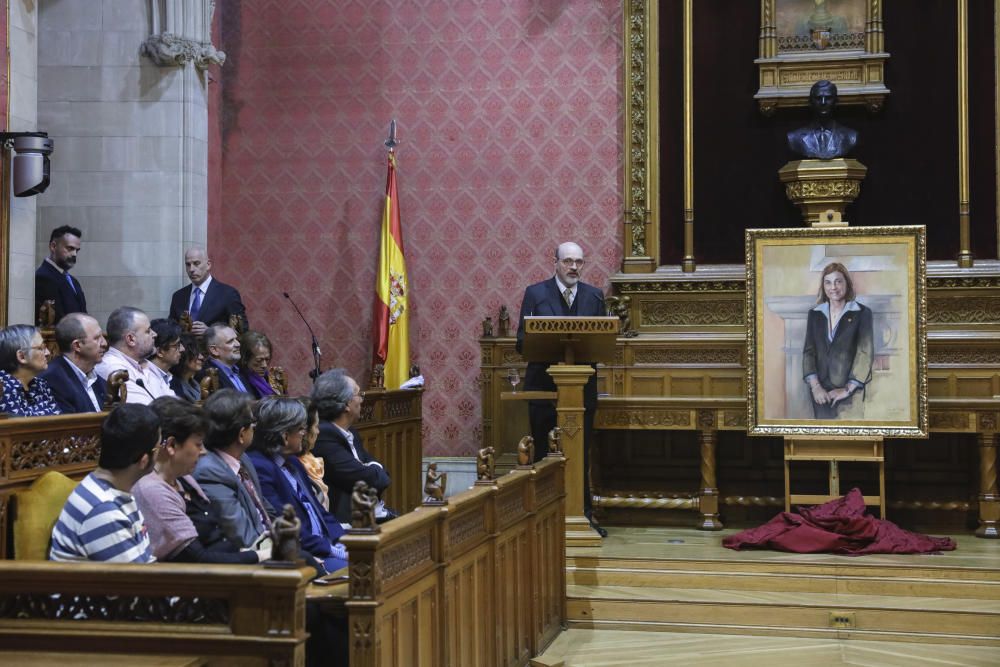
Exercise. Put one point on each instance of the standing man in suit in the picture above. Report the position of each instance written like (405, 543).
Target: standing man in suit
(206, 299)
(52, 278)
(562, 295)
(71, 376)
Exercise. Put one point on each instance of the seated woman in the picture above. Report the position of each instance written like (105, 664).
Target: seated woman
(23, 356)
(183, 523)
(313, 464)
(281, 427)
(191, 362)
(256, 350)
(225, 472)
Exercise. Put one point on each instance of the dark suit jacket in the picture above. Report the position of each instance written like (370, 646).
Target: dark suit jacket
(847, 357)
(544, 300)
(237, 513)
(341, 470)
(50, 284)
(279, 492)
(224, 381)
(217, 305)
(68, 390)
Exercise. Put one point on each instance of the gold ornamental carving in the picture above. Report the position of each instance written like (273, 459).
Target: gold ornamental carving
(700, 286)
(638, 26)
(965, 356)
(571, 325)
(465, 528)
(628, 418)
(68, 450)
(692, 313)
(966, 310)
(688, 356)
(407, 556)
(512, 356)
(949, 421)
(822, 189)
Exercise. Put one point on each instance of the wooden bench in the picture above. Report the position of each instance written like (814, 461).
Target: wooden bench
(478, 581)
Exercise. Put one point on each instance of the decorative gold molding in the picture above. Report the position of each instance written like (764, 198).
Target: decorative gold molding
(967, 310)
(643, 417)
(692, 313)
(688, 356)
(699, 286)
(641, 97)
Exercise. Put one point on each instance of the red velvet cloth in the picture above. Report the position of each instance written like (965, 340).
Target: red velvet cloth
(839, 526)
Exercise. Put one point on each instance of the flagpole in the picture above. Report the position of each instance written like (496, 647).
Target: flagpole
(391, 142)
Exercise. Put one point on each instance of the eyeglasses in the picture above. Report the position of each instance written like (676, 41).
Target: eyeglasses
(252, 424)
(360, 395)
(571, 262)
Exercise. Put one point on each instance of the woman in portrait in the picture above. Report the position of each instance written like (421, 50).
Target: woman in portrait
(839, 349)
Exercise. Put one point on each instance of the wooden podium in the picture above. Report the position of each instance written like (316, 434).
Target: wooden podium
(562, 341)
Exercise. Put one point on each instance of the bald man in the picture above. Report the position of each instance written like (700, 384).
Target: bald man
(206, 299)
(562, 295)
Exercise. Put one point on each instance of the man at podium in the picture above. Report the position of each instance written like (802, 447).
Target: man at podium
(562, 295)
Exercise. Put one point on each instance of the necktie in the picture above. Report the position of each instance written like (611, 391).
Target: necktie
(568, 296)
(234, 377)
(196, 304)
(69, 279)
(248, 485)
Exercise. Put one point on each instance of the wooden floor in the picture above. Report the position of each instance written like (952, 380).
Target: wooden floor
(618, 648)
(694, 602)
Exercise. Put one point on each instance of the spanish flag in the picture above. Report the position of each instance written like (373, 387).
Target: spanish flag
(391, 330)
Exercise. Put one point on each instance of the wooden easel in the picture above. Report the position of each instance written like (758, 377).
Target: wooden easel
(834, 451)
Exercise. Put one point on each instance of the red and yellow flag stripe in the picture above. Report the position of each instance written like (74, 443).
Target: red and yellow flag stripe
(391, 321)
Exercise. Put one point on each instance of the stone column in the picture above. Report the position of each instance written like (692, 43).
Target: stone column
(130, 166)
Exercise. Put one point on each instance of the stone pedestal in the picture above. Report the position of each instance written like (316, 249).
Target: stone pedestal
(822, 189)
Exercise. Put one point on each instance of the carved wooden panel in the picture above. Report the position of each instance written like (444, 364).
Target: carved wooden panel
(469, 600)
(408, 627)
(513, 626)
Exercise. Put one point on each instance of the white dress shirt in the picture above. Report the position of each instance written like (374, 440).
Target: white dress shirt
(153, 385)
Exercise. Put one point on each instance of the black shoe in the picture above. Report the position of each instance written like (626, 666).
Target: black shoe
(597, 527)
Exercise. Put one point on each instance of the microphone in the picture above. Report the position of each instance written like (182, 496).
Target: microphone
(317, 355)
(142, 385)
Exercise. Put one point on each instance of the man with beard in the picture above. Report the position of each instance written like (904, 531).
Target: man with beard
(223, 347)
(562, 295)
(131, 341)
(52, 279)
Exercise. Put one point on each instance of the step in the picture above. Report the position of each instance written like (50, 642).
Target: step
(801, 614)
(846, 578)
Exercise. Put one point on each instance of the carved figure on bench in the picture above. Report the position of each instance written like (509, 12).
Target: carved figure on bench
(378, 377)
(434, 485)
(285, 539)
(525, 452)
(485, 465)
(488, 327)
(363, 501)
(619, 307)
(47, 314)
(503, 320)
(555, 436)
(117, 391)
(209, 383)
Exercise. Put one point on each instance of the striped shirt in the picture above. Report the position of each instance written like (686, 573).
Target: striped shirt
(100, 523)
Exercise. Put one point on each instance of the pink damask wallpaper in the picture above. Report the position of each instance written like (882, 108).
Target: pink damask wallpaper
(510, 126)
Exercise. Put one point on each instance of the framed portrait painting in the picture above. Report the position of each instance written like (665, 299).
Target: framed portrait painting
(836, 340)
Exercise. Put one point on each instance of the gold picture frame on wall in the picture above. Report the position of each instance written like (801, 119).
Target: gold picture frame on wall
(868, 376)
(803, 41)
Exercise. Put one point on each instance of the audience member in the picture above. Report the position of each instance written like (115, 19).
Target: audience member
(206, 300)
(255, 348)
(187, 368)
(312, 463)
(281, 428)
(52, 279)
(131, 342)
(71, 376)
(183, 523)
(23, 356)
(226, 474)
(100, 520)
(166, 354)
(338, 400)
(223, 349)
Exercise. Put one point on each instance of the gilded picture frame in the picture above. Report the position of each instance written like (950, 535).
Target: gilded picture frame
(804, 41)
(836, 331)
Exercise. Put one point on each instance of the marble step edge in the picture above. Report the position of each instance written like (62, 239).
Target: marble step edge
(647, 595)
(916, 570)
(919, 637)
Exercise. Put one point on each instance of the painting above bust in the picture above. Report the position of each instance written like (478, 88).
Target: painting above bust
(820, 24)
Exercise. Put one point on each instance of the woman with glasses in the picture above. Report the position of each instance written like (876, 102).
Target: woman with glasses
(225, 472)
(281, 430)
(183, 523)
(23, 356)
(190, 363)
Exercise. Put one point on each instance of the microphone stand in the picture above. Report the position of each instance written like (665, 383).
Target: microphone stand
(317, 355)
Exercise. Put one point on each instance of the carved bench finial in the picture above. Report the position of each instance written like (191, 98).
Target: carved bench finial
(435, 484)
(363, 502)
(117, 391)
(485, 466)
(526, 452)
(555, 435)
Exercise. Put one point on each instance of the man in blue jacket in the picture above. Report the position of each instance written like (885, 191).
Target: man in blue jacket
(75, 385)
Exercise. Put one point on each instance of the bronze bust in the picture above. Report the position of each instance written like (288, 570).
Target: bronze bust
(824, 138)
